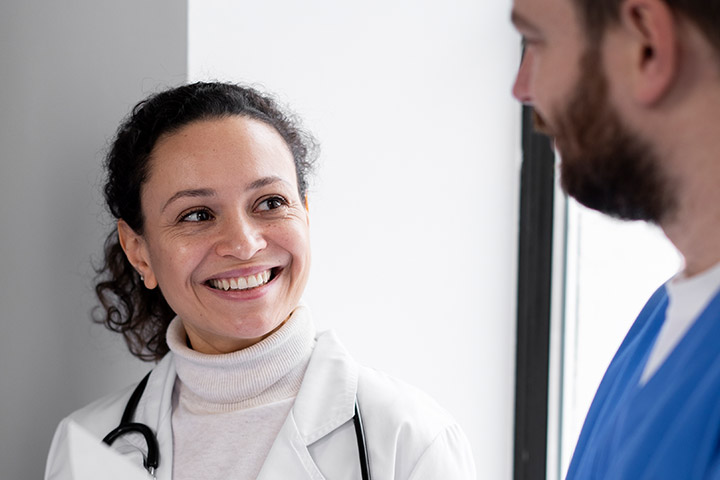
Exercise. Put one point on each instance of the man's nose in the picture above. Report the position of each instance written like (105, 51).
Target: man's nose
(521, 89)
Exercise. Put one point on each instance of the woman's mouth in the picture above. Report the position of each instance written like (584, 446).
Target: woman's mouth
(243, 283)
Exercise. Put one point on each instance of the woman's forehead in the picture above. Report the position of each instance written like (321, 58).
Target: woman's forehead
(231, 131)
(229, 147)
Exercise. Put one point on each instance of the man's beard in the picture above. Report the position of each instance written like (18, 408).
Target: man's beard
(604, 165)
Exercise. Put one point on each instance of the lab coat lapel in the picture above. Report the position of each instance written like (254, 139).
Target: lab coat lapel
(289, 456)
(327, 396)
(325, 402)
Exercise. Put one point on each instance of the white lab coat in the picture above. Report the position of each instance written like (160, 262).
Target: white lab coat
(408, 435)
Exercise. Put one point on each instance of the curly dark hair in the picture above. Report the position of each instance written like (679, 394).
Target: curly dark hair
(140, 314)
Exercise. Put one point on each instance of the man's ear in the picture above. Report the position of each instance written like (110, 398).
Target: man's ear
(136, 252)
(655, 52)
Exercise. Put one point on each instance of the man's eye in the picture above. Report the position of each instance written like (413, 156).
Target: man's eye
(196, 216)
(528, 42)
(271, 203)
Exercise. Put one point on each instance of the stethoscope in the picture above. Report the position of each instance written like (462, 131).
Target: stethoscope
(151, 461)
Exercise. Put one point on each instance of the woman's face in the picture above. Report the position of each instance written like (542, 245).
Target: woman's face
(225, 231)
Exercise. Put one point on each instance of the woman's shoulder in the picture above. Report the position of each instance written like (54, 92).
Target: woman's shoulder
(401, 404)
(98, 418)
(394, 402)
(425, 440)
(103, 414)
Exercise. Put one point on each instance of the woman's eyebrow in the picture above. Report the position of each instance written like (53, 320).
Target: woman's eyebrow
(208, 192)
(265, 181)
(194, 192)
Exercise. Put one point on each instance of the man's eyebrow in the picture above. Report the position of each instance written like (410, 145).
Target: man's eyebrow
(194, 192)
(520, 22)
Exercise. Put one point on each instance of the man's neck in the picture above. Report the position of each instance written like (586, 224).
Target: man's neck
(694, 227)
(686, 136)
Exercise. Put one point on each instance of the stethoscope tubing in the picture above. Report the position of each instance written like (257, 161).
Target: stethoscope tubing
(152, 460)
(362, 446)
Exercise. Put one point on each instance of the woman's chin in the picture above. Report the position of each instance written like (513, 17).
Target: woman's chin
(234, 334)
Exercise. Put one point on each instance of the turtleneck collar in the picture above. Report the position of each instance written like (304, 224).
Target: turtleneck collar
(268, 371)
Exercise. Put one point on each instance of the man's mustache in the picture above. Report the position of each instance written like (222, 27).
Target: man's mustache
(539, 124)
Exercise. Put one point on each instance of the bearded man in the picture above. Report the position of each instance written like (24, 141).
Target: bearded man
(630, 92)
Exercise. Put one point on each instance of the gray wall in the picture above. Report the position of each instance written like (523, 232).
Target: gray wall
(70, 71)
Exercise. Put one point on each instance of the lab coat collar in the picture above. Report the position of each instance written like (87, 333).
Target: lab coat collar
(325, 401)
(326, 398)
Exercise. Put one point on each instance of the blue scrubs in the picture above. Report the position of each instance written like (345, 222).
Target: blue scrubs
(668, 428)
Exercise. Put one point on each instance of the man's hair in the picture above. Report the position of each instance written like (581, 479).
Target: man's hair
(598, 15)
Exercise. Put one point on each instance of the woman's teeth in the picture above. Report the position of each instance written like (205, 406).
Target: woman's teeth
(241, 283)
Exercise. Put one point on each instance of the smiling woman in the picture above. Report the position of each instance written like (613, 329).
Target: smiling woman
(204, 274)
(225, 231)
(173, 157)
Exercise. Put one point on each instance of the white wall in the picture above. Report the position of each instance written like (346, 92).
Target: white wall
(414, 212)
(70, 71)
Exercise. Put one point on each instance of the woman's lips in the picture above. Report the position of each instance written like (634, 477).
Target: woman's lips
(244, 282)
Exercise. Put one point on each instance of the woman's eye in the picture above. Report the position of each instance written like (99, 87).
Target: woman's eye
(271, 203)
(196, 216)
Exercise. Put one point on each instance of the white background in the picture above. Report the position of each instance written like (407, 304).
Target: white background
(413, 213)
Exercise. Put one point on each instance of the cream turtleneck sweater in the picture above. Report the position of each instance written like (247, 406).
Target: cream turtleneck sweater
(228, 409)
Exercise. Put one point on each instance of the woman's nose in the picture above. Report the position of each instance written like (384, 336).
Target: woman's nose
(240, 238)
(521, 88)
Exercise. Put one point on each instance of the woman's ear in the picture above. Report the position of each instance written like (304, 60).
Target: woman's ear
(307, 207)
(136, 252)
(653, 29)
